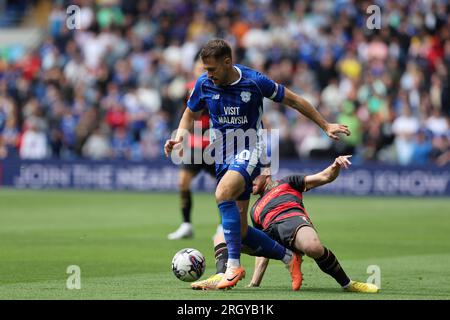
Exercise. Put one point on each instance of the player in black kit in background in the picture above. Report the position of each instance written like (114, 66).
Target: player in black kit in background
(189, 171)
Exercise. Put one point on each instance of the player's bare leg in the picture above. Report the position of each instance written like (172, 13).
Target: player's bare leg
(307, 240)
(185, 230)
(230, 186)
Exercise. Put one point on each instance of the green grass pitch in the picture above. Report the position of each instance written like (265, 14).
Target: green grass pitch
(119, 242)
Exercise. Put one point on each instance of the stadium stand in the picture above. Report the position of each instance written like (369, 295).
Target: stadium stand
(115, 88)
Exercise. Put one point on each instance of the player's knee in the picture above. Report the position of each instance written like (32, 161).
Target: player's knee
(224, 194)
(183, 187)
(184, 184)
(313, 248)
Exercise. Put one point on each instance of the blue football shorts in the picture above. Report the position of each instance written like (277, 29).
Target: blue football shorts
(248, 171)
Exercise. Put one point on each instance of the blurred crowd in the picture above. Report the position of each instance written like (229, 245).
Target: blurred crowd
(13, 11)
(116, 86)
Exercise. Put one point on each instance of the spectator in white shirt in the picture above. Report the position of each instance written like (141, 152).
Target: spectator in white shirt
(34, 141)
(404, 128)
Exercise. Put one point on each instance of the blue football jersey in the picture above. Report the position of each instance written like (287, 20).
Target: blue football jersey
(236, 106)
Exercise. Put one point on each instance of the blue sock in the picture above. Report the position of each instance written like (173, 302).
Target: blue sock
(263, 245)
(231, 223)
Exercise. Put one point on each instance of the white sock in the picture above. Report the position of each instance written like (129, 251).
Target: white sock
(287, 256)
(233, 263)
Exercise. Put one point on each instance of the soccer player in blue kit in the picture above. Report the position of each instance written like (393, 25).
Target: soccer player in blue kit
(234, 96)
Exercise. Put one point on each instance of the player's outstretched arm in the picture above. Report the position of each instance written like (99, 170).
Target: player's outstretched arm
(329, 174)
(261, 264)
(186, 125)
(304, 107)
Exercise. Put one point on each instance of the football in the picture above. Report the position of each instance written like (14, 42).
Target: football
(188, 264)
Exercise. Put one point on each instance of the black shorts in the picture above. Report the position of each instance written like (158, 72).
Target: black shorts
(196, 168)
(284, 231)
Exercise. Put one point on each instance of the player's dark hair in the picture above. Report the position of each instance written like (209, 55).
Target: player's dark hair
(216, 48)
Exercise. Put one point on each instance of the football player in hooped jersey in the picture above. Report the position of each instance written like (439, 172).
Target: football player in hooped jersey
(280, 213)
(234, 97)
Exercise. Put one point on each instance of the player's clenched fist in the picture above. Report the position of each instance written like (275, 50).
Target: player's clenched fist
(170, 144)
